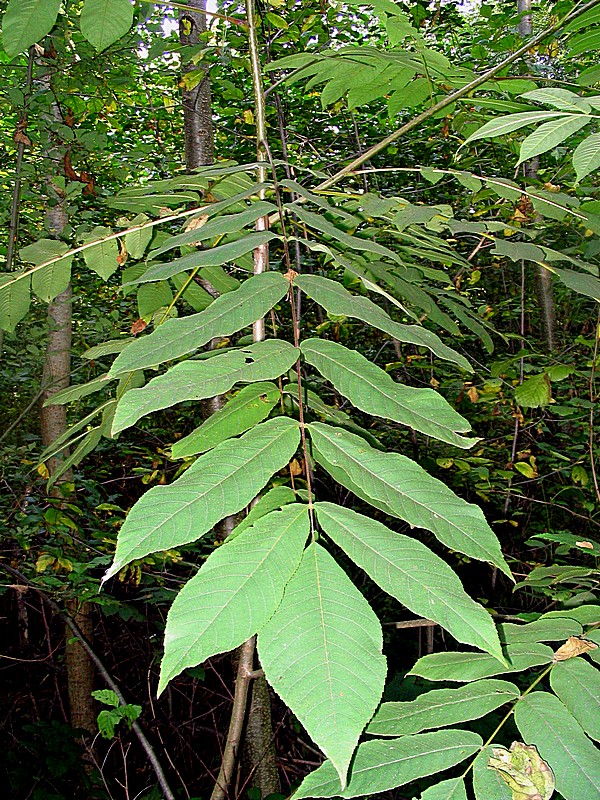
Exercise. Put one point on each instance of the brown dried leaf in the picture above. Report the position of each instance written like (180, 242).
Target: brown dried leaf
(587, 545)
(21, 138)
(123, 254)
(138, 326)
(573, 647)
(196, 222)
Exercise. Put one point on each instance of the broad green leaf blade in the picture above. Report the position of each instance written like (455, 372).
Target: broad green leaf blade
(441, 707)
(251, 405)
(372, 390)
(383, 765)
(235, 592)
(410, 572)
(454, 789)
(15, 297)
(542, 630)
(551, 134)
(585, 615)
(577, 684)
(218, 226)
(274, 499)
(321, 652)
(196, 380)
(102, 258)
(102, 22)
(586, 157)
(218, 484)
(510, 123)
(535, 392)
(487, 783)
(228, 314)
(136, 242)
(587, 285)
(402, 488)
(544, 721)
(213, 257)
(25, 22)
(465, 667)
(338, 301)
(77, 391)
(48, 282)
(561, 99)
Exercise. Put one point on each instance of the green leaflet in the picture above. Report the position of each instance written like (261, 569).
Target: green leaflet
(218, 484)
(213, 257)
(382, 765)
(441, 707)
(372, 390)
(510, 123)
(454, 789)
(14, 299)
(77, 391)
(102, 22)
(542, 630)
(338, 301)
(321, 652)
(136, 242)
(585, 615)
(464, 667)
(249, 406)
(402, 488)
(101, 259)
(228, 223)
(561, 99)
(196, 380)
(49, 281)
(577, 684)
(26, 22)
(410, 572)
(542, 719)
(228, 314)
(235, 591)
(487, 783)
(551, 134)
(586, 156)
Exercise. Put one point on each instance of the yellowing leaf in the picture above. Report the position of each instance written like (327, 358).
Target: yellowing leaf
(523, 770)
(248, 117)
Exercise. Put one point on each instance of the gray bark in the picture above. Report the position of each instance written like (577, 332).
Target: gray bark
(544, 285)
(197, 112)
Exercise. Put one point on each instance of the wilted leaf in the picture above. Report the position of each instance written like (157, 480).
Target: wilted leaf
(574, 646)
(524, 771)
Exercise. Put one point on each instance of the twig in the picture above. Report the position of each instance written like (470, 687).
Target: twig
(238, 715)
(70, 622)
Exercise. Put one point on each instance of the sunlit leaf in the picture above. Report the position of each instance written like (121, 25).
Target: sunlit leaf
(321, 652)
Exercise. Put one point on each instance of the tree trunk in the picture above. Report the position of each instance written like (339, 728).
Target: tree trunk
(544, 286)
(197, 112)
(53, 423)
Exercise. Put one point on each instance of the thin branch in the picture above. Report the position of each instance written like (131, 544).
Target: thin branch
(245, 674)
(70, 622)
